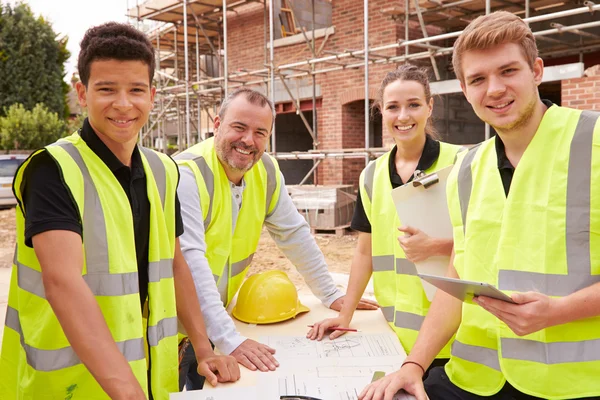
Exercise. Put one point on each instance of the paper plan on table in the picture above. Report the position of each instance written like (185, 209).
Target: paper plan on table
(332, 388)
(383, 347)
(229, 393)
(267, 391)
(333, 369)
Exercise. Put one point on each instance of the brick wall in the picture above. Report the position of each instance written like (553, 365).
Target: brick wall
(340, 125)
(581, 93)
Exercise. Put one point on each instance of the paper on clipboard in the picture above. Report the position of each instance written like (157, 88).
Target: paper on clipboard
(427, 210)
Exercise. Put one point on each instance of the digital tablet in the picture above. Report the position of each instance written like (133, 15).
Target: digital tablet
(465, 290)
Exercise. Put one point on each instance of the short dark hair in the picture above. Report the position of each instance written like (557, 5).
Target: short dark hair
(114, 41)
(253, 96)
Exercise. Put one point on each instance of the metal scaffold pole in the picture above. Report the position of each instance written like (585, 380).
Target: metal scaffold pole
(200, 138)
(366, 40)
(225, 48)
(314, 99)
(188, 136)
(271, 71)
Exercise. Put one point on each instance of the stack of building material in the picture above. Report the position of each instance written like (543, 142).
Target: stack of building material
(324, 207)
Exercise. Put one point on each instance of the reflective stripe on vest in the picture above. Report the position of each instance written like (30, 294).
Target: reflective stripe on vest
(158, 170)
(208, 178)
(239, 267)
(388, 313)
(476, 354)
(54, 360)
(164, 328)
(271, 181)
(465, 183)
(577, 251)
(369, 179)
(386, 263)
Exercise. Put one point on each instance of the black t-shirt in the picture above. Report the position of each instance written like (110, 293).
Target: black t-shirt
(505, 168)
(431, 152)
(50, 205)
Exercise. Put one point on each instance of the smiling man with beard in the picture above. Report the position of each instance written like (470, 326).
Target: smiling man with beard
(229, 188)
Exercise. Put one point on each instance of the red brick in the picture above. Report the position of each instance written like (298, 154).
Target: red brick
(338, 127)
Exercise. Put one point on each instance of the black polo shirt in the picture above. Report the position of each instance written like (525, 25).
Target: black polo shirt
(505, 168)
(431, 152)
(50, 205)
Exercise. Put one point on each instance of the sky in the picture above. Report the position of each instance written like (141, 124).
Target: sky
(74, 17)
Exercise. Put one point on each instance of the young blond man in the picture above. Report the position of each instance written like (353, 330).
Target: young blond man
(525, 209)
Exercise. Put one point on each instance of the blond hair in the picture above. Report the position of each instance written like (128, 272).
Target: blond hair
(492, 30)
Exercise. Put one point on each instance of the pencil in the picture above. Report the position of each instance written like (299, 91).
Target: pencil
(338, 329)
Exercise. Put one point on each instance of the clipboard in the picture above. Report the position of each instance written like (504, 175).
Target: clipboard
(422, 204)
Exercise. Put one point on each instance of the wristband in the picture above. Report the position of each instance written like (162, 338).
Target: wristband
(413, 362)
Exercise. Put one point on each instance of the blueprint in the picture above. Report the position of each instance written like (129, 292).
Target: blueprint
(383, 346)
(267, 391)
(327, 370)
(229, 393)
(333, 369)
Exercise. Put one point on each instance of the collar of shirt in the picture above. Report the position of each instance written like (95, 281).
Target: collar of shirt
(431, 152)
(239, 187)
(236, 193)
(90, 137)
(503, 161)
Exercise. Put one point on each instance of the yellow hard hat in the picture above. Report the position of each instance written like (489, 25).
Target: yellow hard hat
(266, 298)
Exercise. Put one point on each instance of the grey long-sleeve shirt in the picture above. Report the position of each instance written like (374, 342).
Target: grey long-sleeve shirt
(285, 225)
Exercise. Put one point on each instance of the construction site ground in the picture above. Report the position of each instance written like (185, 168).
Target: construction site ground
(338, 254)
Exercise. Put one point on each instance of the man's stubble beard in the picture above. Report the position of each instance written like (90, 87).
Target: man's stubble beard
(221, 147)
(522, 119)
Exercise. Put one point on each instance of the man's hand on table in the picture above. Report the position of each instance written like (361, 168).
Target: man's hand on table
(253, 355)
(217, 369)
(363, 304)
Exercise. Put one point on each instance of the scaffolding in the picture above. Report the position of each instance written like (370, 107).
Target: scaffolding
(190, 37)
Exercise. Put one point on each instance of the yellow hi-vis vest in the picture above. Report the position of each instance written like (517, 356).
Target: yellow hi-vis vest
(545, 237)
(37, 360)
(398, 289)
(229, 256)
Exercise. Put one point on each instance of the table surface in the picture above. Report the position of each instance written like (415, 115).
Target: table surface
(367, 321)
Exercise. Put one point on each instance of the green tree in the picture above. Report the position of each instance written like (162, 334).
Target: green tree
(22, 129)
(76, 123)
(32, 61)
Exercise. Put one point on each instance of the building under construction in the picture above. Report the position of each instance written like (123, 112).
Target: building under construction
(318, 60)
